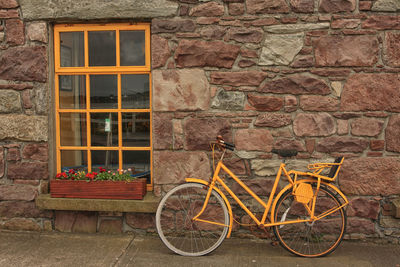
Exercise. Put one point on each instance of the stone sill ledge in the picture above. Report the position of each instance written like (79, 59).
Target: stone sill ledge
(147, 205)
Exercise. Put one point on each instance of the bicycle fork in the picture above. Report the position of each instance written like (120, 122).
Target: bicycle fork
(196, 218)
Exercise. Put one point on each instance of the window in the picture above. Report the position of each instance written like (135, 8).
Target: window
(103, 97)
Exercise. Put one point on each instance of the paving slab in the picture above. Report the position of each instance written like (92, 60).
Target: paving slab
(150, 251)
(58, 249)
(68, 249)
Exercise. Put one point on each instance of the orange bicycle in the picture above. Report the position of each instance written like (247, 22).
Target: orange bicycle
(307, 216)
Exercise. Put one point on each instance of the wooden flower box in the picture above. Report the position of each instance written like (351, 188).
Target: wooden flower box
(135, 189)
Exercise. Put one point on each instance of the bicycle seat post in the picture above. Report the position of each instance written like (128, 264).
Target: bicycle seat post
(222, 156)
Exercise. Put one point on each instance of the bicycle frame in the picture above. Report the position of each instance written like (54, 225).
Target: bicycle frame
(310, 207)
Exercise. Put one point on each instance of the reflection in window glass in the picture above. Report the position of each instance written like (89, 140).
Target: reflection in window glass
(135, 91)
(72, 91)
(102, 48)
(103, 91)
(136, 129)
(132, 44)
(72, 52)
(138, 162)
(74, 159)
(104, 129)
(107, 159)
(73, 129)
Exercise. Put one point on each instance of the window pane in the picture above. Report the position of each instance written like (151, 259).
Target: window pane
(107, 159)
(104, 129)
(136, 129)
(74, 159)
(103, 91)
(132, 44)
(139, 162)
(72, 52)
(73, 129)
(135, 91)
(72, 90)
(102, 49)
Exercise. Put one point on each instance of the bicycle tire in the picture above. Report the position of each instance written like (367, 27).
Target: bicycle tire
(174, 220)
(315, 239)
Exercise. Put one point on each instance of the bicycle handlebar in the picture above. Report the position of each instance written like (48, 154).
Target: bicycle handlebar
(224, 144)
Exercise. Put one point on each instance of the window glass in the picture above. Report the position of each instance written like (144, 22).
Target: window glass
(102, 48)
(73, 129)
(107, 159)
(74, 159)
(136, 129)
(135, 91)
(72, 91)
(104, 129)
(138, 162)
(72, 52)
(103, 91)
(132, 45)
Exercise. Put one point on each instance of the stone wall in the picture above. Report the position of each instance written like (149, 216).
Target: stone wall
(321, 76)
(318, 76)
(24, 119)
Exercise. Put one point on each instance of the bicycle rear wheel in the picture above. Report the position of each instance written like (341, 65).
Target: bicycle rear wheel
(177, 229)
(315, 239)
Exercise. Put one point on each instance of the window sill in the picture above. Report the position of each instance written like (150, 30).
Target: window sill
(147, 205)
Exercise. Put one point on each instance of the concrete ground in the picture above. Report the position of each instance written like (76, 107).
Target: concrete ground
(61, 249)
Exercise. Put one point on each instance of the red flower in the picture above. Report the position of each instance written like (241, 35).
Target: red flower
(102, 170)
(61, 175)
(91, 175)
(71, 171)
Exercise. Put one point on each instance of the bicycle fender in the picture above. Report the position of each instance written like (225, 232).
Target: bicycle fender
(199, 181)
(334, 188)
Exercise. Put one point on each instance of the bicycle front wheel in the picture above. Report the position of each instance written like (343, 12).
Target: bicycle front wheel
(315, 239)
(183, 235)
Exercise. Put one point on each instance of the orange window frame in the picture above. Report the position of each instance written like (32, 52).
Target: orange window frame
(87, 70)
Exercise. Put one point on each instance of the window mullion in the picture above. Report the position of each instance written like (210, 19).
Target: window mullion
(86, 40)
(57, 93)
(120, 163)
(119, 92)
(57, 49)
(88, 128)
(147, 49)
(58, 141)
(119, 119)
(117, 48)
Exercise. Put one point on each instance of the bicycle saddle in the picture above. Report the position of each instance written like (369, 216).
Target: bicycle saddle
(285, 153)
